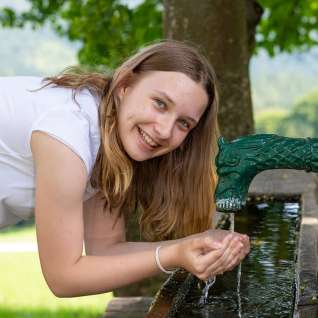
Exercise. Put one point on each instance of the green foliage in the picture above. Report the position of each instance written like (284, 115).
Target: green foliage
(107, 29)
(269, 121)
(110, 30)
(288, 25)
(302, 121)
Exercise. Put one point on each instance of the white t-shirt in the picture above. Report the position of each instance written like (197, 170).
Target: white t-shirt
(51, 110)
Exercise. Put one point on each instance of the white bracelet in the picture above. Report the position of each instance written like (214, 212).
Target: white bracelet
(159, 264)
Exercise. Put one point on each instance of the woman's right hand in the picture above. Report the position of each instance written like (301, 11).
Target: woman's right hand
(212, 252)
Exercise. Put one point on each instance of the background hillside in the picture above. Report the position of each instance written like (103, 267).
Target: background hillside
(283, 80)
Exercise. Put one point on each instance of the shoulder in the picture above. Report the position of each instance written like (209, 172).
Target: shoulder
(69, 127)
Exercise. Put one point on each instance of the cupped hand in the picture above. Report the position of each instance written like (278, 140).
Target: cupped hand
(212, 252)
(220, 235)
(234, 250)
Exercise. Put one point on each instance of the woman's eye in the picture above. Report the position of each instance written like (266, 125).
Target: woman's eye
(185, 124)
(159, 103)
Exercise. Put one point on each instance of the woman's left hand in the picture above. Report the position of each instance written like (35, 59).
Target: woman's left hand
(220, 235)
(235, 247)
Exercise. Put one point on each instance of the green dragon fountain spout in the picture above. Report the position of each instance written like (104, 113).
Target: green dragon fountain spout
(240, 160)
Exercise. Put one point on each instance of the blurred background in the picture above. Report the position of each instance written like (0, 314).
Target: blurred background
(266, 58)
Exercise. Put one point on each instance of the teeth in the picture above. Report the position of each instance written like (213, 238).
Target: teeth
(147, 139)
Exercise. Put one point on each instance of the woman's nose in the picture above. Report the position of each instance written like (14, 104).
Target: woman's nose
(164, 127)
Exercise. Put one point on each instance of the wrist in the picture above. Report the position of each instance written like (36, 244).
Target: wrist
(167, 256)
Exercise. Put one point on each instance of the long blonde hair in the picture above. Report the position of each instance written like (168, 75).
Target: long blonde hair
(175, 191)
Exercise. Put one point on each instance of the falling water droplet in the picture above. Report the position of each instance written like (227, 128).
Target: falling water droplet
(208, 284)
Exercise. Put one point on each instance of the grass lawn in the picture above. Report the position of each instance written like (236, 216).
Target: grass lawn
(14, 233)
(23, 290)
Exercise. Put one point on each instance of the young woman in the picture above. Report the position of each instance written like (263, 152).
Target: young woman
(84, 150)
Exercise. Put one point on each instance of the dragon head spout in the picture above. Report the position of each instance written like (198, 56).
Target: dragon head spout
(237, 164)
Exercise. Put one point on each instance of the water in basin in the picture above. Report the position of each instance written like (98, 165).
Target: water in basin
(267, 282)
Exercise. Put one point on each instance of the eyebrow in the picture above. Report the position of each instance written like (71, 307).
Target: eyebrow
(171, 101)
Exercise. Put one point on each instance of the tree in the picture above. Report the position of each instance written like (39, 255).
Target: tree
(288, 26)
(109, 31)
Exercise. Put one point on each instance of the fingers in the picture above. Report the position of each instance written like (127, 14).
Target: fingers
(201, 267)
(246, 242)
(204, 245)
(240, 249)
(208, 256)
(236, 260)
(230, 257)
(210, 244)
(232, 253)
(220, 235)
(215, 258)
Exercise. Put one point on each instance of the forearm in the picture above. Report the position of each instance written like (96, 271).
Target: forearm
(122, 264)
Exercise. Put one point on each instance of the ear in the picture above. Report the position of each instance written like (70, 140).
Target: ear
(121, 92)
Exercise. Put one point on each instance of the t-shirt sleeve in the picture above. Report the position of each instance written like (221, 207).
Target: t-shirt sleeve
(70, 127)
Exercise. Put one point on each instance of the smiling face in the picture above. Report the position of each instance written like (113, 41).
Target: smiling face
(157, 112)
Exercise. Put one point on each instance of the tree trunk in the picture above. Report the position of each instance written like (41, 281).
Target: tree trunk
(223, 30)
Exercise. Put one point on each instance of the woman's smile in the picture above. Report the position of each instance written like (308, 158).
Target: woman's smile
(147, 139)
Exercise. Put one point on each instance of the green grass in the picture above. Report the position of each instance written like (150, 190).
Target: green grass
(45, 313)
(25, 294)
(18, 233)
